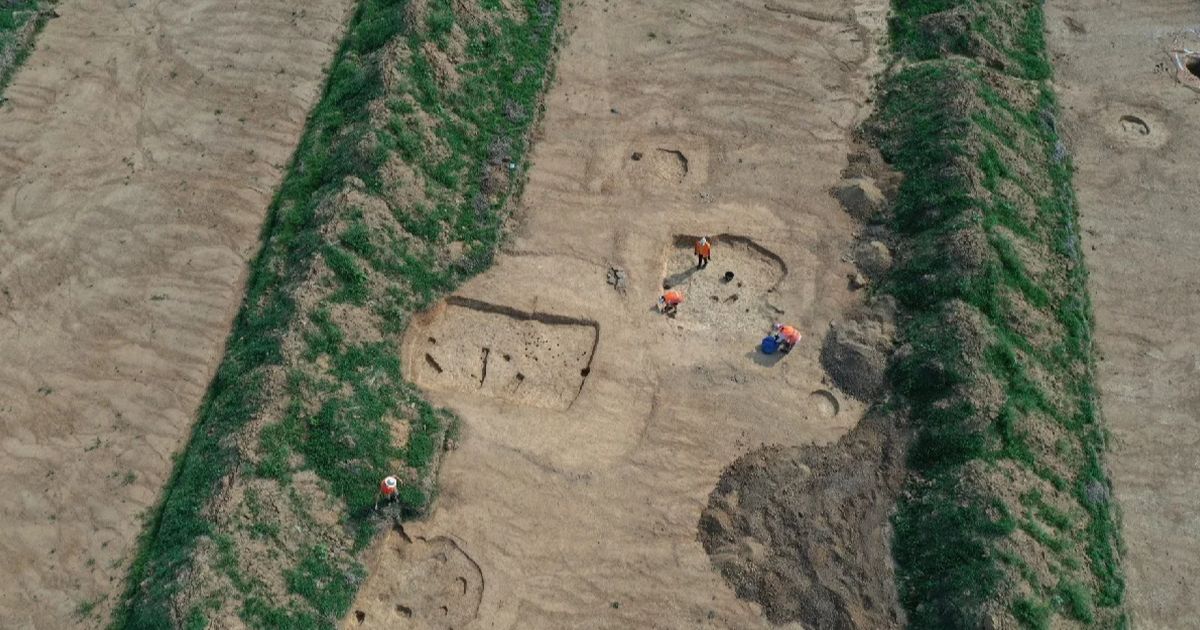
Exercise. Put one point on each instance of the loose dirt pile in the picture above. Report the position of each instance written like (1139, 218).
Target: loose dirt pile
(1132, 131)
(139, 148)
(855, 352)
(806, 532)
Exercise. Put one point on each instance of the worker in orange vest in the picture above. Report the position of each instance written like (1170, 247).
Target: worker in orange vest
(703, 252)
(787, 336)
(387, 489)
(669, 303)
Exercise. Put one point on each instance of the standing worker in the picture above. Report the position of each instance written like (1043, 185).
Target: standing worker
(387, 489)
(669, 303)
(703, 252)
(787, 336)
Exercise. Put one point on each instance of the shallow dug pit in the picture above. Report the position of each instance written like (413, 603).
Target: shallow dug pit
(417, 583)
(535, 359)
(666, 165)
(1134, 125)
(823, 404)
(732, 293)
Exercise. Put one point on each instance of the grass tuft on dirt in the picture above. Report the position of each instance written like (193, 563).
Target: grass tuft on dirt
(1009, 519)
(396, 194)
(20, 21)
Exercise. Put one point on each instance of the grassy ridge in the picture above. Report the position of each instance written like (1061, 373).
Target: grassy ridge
(1010, 518)
(396, 194)
(20, 20)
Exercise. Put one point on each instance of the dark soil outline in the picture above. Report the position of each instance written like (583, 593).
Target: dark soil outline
(686, 241)
(551, 319)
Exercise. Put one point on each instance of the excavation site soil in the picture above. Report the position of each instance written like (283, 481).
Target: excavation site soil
(583, 489)
(139, 148)
(1132, 134)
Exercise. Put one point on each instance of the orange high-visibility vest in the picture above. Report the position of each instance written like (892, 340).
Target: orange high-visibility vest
(790, 334)
(703, 249)
(673, 298)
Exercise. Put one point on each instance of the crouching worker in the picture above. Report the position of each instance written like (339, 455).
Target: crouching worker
(388, 489)
(786, 336)
(669, 303)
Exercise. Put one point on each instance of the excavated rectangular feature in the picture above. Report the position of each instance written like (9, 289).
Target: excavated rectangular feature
(533, 359)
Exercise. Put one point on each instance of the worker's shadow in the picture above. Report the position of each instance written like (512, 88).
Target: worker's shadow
(655, 309)
(765, 360)
(679, 278)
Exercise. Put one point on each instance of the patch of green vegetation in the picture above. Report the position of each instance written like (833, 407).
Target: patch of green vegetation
(1004, 31)
(85, 608)
(464, 136)
(20, 22)
(1078, 601)
(987, 199)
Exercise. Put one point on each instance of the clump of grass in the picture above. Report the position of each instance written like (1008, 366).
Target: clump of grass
(85, 608)
(957, 130)
(343, 390)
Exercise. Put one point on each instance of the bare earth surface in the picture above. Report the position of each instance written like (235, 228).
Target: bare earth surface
(594, 428)
(1133, 131)
(139, 149)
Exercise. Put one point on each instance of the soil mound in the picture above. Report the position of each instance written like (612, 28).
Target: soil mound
(855, 351)
(804, 531)
(861, 198)
(873, 258)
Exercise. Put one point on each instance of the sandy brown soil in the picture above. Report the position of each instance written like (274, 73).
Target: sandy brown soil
(139, 149)
(1133, 133)
(580, 507)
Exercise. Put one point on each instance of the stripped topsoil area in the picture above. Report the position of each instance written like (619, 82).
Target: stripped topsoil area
(1132, 129)
(397, 192)
(583, 508)
(140, 144)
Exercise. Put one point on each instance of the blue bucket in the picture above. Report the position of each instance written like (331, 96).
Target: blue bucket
(769, 345)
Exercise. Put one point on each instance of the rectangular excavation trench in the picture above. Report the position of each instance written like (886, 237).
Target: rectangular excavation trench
(527, 358)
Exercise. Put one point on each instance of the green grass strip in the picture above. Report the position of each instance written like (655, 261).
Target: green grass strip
(347, 441)
(961, 142)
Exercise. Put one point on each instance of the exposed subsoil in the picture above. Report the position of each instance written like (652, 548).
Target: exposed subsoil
(1129, 125)
(139, 147)
(718, 118)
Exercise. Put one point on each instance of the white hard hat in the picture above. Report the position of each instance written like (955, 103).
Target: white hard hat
(704, 239)
(389, 482)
